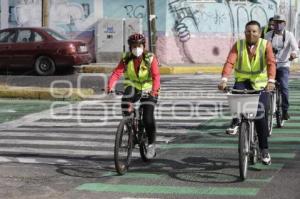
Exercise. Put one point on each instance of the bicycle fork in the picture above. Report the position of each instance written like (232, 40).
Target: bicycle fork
(250, 138)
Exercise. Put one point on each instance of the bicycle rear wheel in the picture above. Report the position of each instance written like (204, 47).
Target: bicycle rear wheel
(269, 114)
(279, 119)
(243, 149)
(123, 146)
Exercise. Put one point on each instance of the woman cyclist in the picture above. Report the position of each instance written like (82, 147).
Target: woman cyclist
(141, 74)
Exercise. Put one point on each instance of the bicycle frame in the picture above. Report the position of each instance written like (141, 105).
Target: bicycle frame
(252, 132)
(248, 146)
(131, 126)
(137, 124)
(139, 134)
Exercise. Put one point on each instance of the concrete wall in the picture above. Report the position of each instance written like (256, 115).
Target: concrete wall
(205, 32)
(189, 31)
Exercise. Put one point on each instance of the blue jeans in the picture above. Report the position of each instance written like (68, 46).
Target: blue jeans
(282, 76)
(261, 124)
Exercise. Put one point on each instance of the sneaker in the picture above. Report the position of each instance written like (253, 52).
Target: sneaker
(265, 157)
(135, 142)
(285, 115)
(150, 151)
(232, 130)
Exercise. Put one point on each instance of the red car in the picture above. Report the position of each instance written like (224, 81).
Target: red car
(41, 49)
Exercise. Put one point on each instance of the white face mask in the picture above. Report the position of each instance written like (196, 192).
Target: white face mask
(137, 51)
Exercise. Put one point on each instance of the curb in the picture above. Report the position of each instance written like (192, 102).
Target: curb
(61, 94)
(164, 70)
(167, 70)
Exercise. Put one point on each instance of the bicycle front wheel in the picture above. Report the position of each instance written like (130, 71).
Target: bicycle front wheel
(253, 156)
(143, 147)
(123, 146)
(279, 119)
(243, 149)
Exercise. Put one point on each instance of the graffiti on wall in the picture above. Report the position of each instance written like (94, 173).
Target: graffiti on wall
(181, 12)
(192, 19)
(25, 13)
(69, 16)
(64, 15)
(135, 11)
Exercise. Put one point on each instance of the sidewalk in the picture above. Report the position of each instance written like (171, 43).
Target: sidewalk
(7, 91)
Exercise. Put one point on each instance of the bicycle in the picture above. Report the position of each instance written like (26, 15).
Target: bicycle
(278, 99)
(271, 111)
(275, 109)
(130, 132)
(244, 104)
(279, 111)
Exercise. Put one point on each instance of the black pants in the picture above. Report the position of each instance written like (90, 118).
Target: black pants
(261, 123)
(133, 95)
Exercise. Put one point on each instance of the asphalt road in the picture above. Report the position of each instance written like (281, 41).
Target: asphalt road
(57, 157)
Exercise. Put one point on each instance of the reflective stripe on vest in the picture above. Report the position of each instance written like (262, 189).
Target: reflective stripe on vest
(142, 80)
(254, 69)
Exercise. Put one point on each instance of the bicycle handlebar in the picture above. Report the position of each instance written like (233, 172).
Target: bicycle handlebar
(144, 94)
(113, 92)
(243, 91)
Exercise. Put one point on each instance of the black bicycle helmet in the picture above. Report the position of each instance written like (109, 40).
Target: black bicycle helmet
(136, 38)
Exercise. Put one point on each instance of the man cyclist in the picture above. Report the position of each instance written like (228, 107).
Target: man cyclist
(141, 73)
(285, 49)
(268, 27)
(254, 68)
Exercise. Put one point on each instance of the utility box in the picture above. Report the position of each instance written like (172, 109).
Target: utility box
(111, 38)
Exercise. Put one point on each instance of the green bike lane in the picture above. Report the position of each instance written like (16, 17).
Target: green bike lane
(12, 109)
(204, 163)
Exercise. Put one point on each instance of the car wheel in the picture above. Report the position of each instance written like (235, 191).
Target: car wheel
(44, 66)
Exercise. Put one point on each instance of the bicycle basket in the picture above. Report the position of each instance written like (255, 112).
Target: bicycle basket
(245, 104)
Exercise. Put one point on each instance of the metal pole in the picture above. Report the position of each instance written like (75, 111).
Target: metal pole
(45, 13)
(290, 20)
(153, 25)
(149, 25)
(124, 34)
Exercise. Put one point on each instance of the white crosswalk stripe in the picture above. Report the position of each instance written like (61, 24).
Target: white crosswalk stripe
(88, 128)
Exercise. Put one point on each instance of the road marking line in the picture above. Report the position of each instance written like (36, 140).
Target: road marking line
(275, 166)
(4, 159)
(220, 191)
(27, 160)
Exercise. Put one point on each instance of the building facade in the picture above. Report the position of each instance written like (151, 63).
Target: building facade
(188, 31)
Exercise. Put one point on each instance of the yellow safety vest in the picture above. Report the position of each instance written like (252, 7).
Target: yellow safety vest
(255, 69)
(266, 29)
(142, 80)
